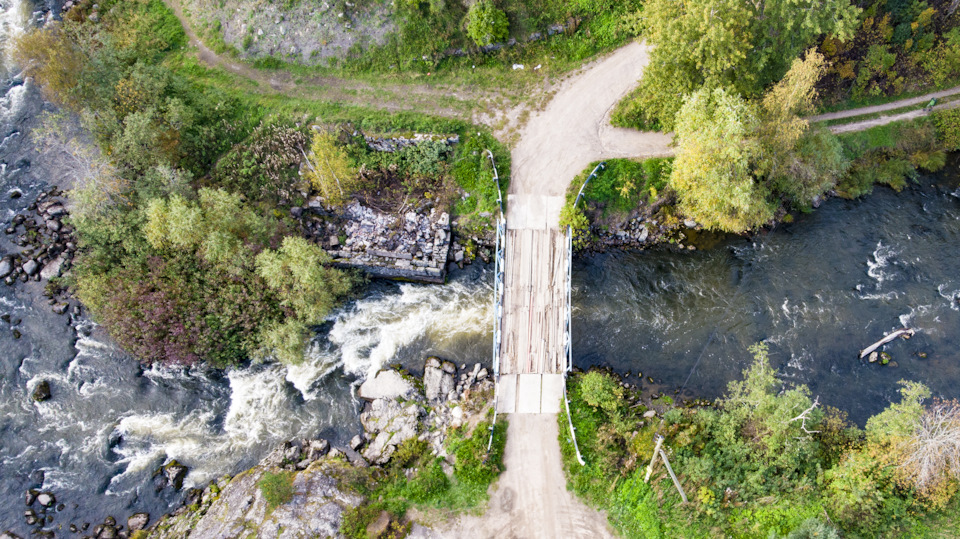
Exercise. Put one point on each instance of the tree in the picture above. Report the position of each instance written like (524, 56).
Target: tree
(219, 227)
(948, 128)
(307, 288)
(96, 185)
(900, 419)
(799, 163)
(599, 389)
(486, 24)
(739, 46)
(50, 56)
(298, 273)
(713, 170)
(329, 169)
(932, 453)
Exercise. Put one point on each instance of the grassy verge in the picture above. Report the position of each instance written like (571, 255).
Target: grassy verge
(422, 45)
(890, 155)
(623, 188)
(469, 168)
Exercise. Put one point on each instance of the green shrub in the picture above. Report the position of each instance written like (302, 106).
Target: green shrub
(473, 172)
(634, 510)
(486, 24)
(473, 464)
(356, 519)
(578, 223)
(814, 528)
(429, 483)
(277, 488)
(601, 390)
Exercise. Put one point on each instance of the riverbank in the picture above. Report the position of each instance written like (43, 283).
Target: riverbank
(424, 447)
(762, 461)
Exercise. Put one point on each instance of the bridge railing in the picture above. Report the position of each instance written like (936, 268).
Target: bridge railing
(497, 297)
(567, 335)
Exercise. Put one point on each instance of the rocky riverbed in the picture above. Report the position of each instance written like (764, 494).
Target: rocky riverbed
(398, 408)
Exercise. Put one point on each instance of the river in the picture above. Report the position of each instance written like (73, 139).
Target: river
(816, 290)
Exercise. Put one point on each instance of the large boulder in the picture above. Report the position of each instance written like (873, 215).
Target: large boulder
(138, 521)
(316, 509)
(52, 269)
(387, 384)
(438, 379)
(389, 423)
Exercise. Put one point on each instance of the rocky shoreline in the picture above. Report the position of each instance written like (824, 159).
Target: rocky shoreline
(397, 408)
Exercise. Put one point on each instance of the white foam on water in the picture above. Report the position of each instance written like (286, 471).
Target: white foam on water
(367, 335)
(882, 256)
(14, 16)
(12, 102)
(923, 318)
(152, 437)
(951, 293)
(886, 296)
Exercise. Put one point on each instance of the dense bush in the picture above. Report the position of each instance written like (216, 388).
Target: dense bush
(486, 24)
(948, 128)
(265, 165)
(167, 269)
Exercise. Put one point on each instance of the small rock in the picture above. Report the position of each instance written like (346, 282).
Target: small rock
(356, 442)
(30, 497)
(30, 267)
(138, 521)
(6, 267)
(174, 472)
(649, 413)
(316, 449)
(41, 393)
(873, 357)
(379, 527)
(46, 499)
(60, 308)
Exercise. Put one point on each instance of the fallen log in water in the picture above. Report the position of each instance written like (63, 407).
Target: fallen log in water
(906, 332)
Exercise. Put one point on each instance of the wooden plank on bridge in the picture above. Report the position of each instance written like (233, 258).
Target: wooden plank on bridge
(534, 310)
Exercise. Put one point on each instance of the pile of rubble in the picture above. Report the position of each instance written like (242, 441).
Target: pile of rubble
(415, 247)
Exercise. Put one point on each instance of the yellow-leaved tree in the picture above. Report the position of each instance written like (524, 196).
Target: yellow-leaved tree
(329, 169)
(713, 170)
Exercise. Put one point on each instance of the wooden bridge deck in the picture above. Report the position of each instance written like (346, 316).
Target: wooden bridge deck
(534, 303)
(533, 353)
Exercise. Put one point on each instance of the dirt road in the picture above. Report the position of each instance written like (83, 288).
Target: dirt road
(885, 107)
(453, 103)
(574, 129)
(863, 125)
(532, 500)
